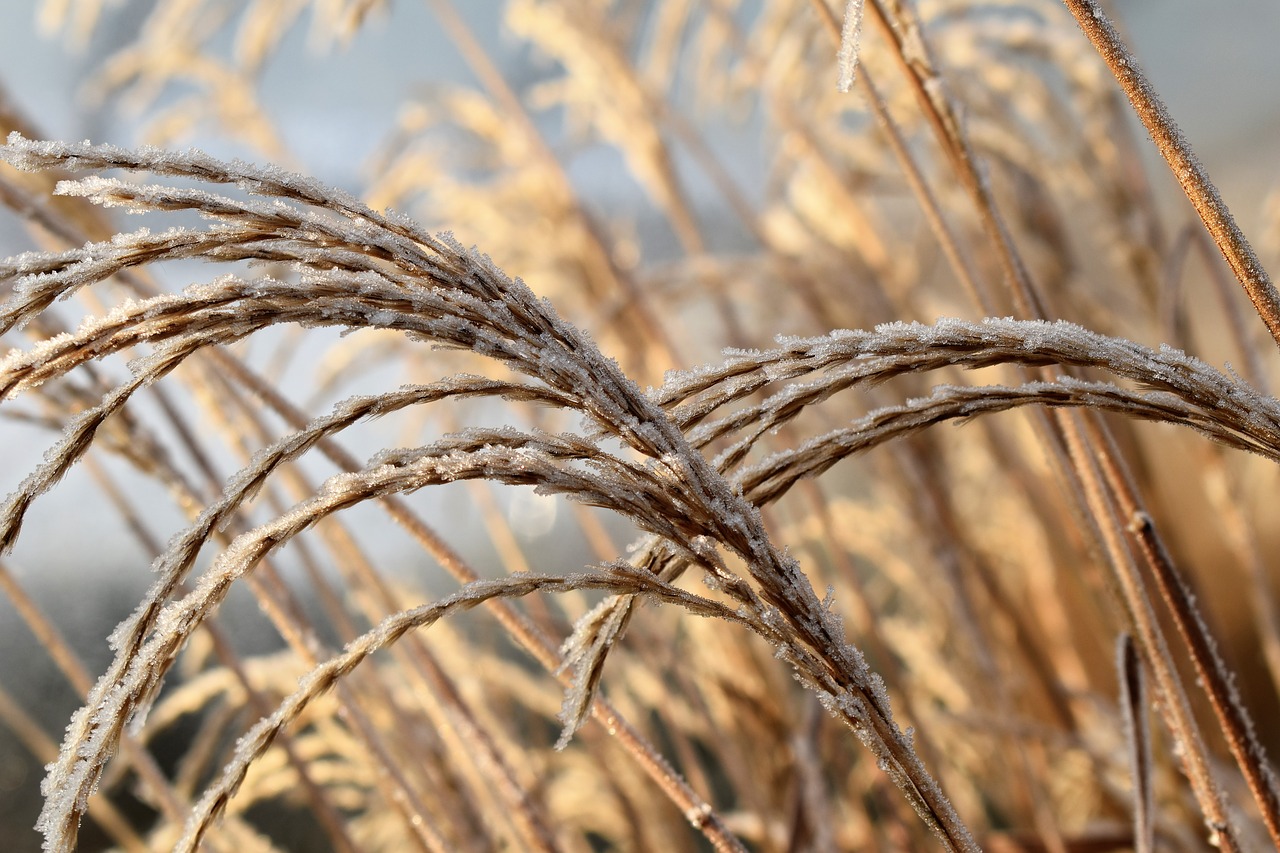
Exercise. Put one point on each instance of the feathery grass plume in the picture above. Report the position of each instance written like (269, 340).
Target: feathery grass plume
(746, 371)
(451, 297)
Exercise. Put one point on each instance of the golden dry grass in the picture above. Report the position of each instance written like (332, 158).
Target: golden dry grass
(1053, 629)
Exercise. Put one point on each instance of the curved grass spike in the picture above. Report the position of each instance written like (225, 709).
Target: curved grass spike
(708, 822)
(371, 271)
(700, 465)
(573, 377)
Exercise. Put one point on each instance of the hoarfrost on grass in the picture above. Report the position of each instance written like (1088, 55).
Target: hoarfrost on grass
(850, 35)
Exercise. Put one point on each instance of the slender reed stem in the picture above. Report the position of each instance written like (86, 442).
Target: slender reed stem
(1175, 149)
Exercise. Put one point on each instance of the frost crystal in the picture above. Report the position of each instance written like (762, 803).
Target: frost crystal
(849, 37)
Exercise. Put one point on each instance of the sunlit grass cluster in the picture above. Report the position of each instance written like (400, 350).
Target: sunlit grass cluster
(579, 523)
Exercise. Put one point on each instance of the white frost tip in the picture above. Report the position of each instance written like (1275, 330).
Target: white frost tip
(847, 59)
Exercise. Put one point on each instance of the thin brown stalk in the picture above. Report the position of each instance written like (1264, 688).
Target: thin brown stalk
(1186, 167)
(1213, 675)
(918, 68)
(1133, 707)
(1174, 705)
(1211, 670)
